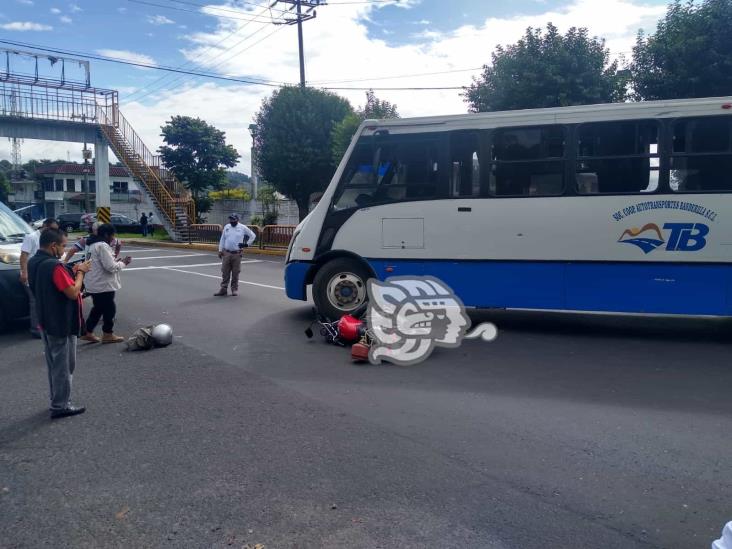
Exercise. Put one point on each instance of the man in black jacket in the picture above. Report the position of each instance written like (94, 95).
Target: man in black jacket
(57, 291)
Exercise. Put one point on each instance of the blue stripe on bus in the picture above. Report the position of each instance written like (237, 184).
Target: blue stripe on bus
(612, 287)
(295, 273)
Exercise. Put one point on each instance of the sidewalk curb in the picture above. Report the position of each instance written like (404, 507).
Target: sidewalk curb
(201, 247)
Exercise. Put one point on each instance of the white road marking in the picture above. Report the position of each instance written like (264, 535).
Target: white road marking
(218, 277)
(164, 256)
(153, 267)
(130, 249)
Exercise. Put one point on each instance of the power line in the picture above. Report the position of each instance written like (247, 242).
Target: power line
(250, 80)
(177, 78)
(182, 79)
(270, 8)
(417, 88)
(146, 3)
(395, 77)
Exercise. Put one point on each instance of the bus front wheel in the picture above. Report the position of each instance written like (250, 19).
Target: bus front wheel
(339, 287)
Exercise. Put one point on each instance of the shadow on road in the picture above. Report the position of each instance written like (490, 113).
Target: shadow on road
(22, 428)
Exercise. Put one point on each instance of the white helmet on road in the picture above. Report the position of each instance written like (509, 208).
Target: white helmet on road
(162, 335)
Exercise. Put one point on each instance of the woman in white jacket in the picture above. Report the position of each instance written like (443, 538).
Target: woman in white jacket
(101, 283)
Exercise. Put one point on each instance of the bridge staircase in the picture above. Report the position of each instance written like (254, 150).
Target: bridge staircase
(169, 195)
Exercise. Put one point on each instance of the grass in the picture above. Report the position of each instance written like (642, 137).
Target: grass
(160, 235)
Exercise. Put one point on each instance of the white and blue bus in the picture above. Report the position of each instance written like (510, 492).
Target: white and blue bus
(617, 208)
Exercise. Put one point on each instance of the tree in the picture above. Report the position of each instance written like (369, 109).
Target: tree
(547, 70)
(293, 141)
(343, 132)
(690, 55)
(198, 155)
(267, 198)
(5, 188)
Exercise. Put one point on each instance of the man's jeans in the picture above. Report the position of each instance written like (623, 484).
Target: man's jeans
(61, 361)
(33, 313)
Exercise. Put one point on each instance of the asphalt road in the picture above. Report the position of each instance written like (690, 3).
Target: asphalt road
(567, 431)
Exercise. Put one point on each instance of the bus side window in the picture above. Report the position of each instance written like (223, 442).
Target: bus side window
(464, 164)
(701, 159)
(527, 161)
(617, 157)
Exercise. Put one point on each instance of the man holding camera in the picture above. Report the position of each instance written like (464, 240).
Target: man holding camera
(234, 238)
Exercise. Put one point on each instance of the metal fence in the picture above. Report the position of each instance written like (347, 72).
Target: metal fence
(268, 237)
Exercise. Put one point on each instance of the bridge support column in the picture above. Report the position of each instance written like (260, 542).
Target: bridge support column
(101, 168)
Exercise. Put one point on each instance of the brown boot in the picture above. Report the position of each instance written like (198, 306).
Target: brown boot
(90, 337)
(111, 338)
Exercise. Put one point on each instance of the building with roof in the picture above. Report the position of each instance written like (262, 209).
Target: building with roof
(62, 188)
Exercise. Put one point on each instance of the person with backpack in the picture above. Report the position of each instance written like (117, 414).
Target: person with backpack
(102, 283)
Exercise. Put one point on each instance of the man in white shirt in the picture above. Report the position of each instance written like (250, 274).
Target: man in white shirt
(234, 238)
(28, 249)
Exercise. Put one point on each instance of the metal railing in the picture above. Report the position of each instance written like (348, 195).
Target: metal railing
(37, 101)
(269, 237)
(172, 197)
(277, 236)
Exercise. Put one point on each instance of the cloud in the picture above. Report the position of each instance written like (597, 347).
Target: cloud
(55, 11)
(65, 19)
(127, 55)
(339, 47)
(122, 10)
(159, 20)
(25, 2)
(25, 26)
(73, 8)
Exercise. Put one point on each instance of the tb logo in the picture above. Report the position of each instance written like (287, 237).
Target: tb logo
(686, 237)
(682, 237)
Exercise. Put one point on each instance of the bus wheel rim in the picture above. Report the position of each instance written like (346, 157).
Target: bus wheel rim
(346, 291)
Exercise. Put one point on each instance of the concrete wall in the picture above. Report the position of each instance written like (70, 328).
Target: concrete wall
(287, 209)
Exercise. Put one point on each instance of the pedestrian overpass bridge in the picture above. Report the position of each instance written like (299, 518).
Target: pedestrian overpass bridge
(57, 110)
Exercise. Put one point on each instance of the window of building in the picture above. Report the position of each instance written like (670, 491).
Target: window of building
(397, 168)
(527, 161)
(59, 184)
(701, 158)
(617, 157)
(92, 186)
(48, 185)
(120, 187)
(465, 174)
(70, 185)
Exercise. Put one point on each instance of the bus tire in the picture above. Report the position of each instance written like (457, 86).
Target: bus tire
(339, 287)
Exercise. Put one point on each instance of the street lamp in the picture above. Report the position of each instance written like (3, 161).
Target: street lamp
(255, 177)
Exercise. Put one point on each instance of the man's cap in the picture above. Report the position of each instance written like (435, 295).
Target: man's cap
(234, 217)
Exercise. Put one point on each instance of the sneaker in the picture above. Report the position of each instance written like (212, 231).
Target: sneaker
(68, 411)
(220, 293)
(90, 337)
(234, 293)
(111, 338)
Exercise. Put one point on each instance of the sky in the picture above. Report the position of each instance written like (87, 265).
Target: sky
(349, 44)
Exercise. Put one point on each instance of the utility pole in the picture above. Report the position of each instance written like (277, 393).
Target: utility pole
(298, 19)
(87, 154)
